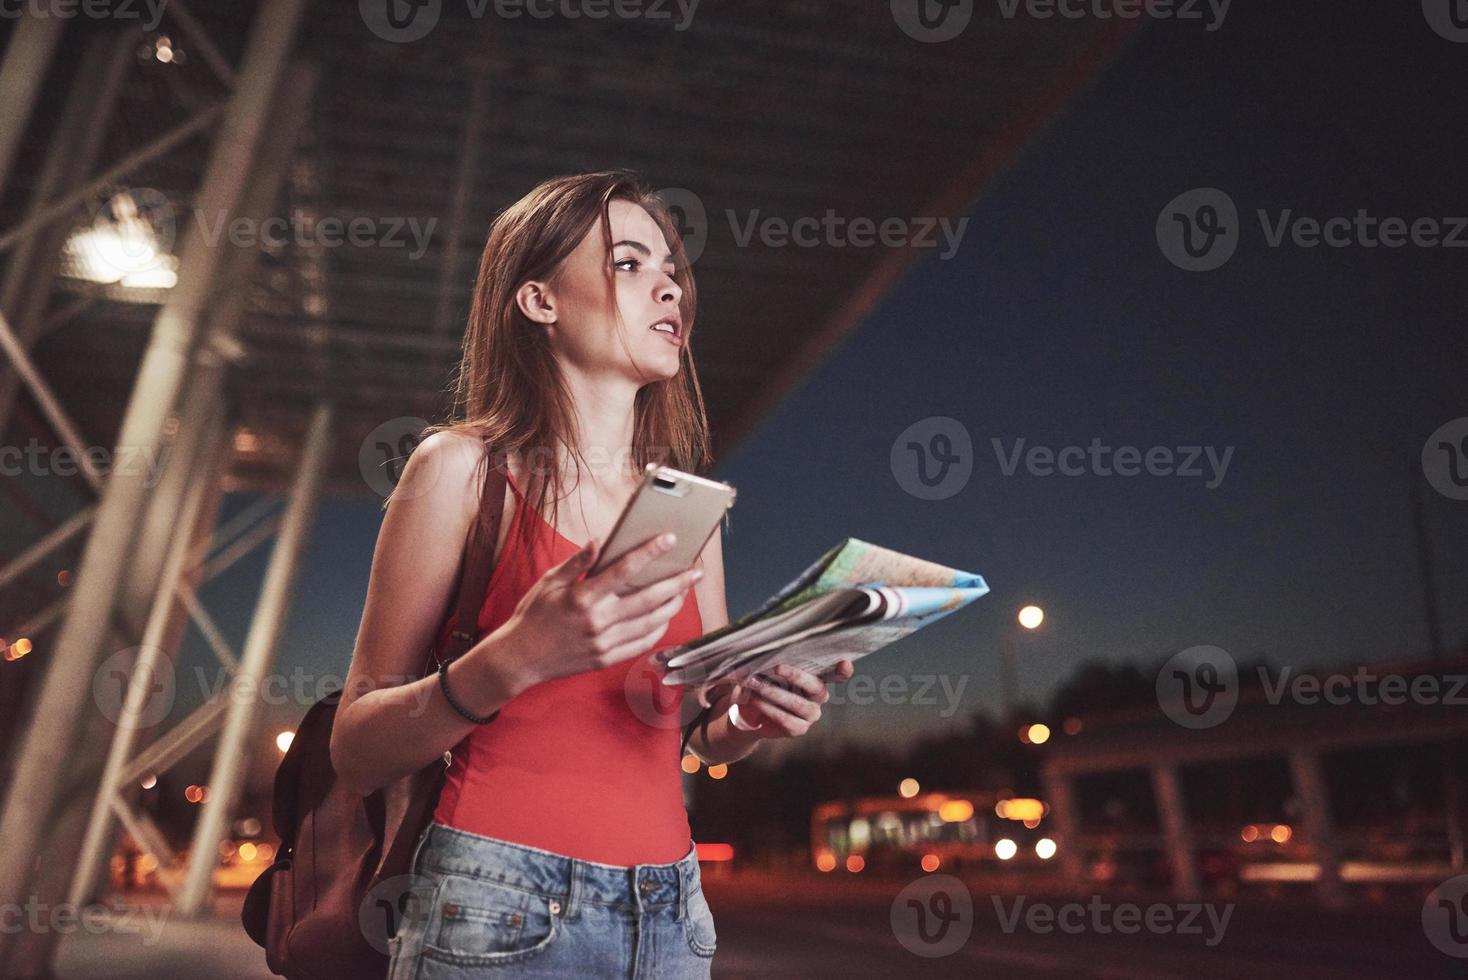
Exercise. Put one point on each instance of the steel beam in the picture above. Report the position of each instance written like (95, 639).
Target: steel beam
(27, 58)
(66, 686)
(235, 743)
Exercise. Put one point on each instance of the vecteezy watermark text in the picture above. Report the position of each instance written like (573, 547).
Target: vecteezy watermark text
(1119, 9)
(38, 460)
(150, 12)
(1099, 917)
(834, 231)
(1200, 229)
(405, 21)
(95, 920)
(1098, 459)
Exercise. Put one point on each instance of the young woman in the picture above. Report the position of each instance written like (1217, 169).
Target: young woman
(560, 846)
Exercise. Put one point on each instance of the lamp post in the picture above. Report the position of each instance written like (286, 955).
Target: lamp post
(1030, 618)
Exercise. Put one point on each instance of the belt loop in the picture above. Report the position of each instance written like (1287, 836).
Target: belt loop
(685, 885)
(573, 893)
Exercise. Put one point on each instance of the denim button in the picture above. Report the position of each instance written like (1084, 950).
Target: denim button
(555, 907)
(647, 885)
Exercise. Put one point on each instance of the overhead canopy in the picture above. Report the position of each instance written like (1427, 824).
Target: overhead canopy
(777, 110)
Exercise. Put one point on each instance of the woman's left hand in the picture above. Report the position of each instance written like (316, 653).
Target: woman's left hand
(786, 701)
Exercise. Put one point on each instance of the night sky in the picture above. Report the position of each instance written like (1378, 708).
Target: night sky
(1060, 321)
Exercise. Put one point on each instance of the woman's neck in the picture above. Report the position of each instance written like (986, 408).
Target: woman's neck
(603, 423)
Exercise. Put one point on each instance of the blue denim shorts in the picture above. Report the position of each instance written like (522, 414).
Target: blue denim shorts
(489, 907)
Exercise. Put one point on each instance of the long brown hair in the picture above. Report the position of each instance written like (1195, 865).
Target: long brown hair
(509, 391)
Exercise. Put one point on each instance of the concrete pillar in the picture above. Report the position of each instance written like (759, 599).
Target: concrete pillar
(1310, 787)
(1187, 885)
(1064, 821)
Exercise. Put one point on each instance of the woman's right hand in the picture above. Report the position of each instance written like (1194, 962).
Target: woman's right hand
(567, 625)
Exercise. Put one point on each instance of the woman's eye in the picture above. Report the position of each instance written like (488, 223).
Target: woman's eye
(632, 264)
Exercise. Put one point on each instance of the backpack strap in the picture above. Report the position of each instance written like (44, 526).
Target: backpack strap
(476, 567)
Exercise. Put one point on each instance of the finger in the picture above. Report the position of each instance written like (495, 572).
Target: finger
(843, 671)
(651, 596)
(571, 569)
(636, 646)
(787, 700)
(767, 712)
(804, 682)
(639, 626)
(615, 577)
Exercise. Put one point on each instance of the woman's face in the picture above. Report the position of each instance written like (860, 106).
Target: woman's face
(582, 318)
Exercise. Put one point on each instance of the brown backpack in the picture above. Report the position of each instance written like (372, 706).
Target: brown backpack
(310, 910)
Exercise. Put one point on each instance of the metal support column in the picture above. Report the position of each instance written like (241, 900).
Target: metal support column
(1181, 855)
(66, 688)
(234, 752)
(71, 156)
(1310, 786)
(27, 58)
(151, 661)
(196, 434)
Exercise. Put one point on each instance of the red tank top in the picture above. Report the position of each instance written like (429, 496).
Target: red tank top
(586, 765)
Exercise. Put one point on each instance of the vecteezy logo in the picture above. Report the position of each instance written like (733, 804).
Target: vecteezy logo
(1445, 917)
(389, 903)
(1199, 229)
(932, 20)
(156, 687)
(933, 916)
(690, 217)
(655, 704)
(933, 458)
(1449, 18)
(384, 454)
(1445, 459)
(400, 21)
(1199, 687)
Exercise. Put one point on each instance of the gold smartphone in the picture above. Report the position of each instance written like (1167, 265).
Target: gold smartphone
(666, 500)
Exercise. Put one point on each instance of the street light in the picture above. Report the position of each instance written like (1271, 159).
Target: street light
(1030, 617)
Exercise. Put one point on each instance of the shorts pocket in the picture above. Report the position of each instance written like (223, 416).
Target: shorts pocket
(478, 922)
(698, 924)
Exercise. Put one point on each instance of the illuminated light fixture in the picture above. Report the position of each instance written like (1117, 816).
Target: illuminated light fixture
(715, 852)
(1019, 809)
(908, 788)
(126, 248)
(1044, 848)
(1037, 734)
(1031, 616)
(955, 811)
(855, 862)
(930, 862)
(283, 740)
(826, 861)
(1281, 833)
(1004, 848)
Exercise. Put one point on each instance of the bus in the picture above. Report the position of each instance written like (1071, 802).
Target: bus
(930, 831)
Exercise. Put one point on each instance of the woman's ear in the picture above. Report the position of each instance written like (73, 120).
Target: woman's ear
(534, 300)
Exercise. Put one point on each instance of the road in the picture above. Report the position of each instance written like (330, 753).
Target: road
(841, 926)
